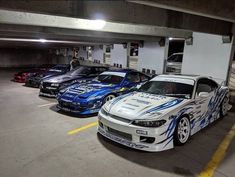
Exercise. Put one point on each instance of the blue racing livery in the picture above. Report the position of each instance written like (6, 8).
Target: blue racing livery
(87, 98)
(164, 112)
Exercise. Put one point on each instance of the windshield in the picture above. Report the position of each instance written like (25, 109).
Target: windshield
(172, 89)
(110, 79)
(58, 68)
(79, 70)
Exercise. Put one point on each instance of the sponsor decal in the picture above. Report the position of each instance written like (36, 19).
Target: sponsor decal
(163, 106)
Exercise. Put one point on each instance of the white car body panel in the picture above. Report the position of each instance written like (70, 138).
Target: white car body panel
(118, 115)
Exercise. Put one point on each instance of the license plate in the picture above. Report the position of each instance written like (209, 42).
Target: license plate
(66, 109)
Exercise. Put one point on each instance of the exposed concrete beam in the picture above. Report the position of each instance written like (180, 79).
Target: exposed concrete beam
(186, 7)
(34, 19)
(69, 34)
(132, 13)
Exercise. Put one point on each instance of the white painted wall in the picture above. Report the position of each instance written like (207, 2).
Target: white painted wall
(118, 55)
(151, 56)
(98, 54)
(82, 53)
(207, 56)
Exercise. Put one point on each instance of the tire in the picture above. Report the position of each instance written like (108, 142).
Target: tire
(182, 131)
(108, 98)
(224, 107)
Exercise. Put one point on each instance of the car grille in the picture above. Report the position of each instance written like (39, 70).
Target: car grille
(52, 92)
(120, 134)
(66, 105)
(71, 106)
(119, 118)
(46, 84)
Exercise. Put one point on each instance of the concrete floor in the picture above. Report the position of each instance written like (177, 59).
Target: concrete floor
(34, 142)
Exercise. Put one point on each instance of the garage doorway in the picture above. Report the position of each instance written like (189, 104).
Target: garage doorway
(173, 63)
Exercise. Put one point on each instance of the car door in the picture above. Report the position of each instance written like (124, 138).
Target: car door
(204, 98)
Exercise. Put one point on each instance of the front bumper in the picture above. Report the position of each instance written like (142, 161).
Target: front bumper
(19, 79)
(32, 83)
(134, 136)
(49, 91)
(69, 106)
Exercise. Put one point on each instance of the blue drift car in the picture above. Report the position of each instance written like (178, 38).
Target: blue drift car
(87, 98)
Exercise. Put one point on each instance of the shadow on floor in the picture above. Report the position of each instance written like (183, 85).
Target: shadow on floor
(70, 114)
(187, 160)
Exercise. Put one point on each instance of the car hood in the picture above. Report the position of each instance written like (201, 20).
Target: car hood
(27, 72)
(138, 105)
(63, 78)
(46, 74)
(88, 89)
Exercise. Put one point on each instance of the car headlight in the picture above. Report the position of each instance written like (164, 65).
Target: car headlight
(103, 111)
(62, 91)
(55, 84)
(149, 123)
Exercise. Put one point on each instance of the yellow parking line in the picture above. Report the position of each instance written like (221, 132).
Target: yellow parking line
(72, 132)
(218, 155)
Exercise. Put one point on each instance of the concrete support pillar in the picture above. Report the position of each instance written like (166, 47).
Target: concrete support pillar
(128, 50)
(151, 57)
(208, 55)
(98, 54)
(82, 53)
(119, 55)
(230, 80)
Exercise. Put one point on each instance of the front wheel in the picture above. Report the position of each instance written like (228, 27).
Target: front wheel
(182, 131)
(108, 98)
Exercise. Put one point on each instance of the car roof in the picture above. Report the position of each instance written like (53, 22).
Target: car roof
(122, 70)
(94, 66)
(184, 76)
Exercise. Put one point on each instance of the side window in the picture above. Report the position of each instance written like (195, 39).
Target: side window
(144, 78)
(86, 71)
(95, 70)
(206, 85)
(133, 77)
(213, 85)
(100, 70)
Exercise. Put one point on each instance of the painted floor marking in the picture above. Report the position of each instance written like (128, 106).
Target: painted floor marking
(72, 132)
(219, 154)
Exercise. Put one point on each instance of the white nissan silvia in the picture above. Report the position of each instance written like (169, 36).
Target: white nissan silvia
(163, 112)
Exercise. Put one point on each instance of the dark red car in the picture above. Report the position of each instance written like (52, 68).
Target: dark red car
(21, 76)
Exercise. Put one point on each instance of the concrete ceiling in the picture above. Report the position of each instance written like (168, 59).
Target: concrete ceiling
(216, 9)
(15, 24)
(126, 21)
(128, 12)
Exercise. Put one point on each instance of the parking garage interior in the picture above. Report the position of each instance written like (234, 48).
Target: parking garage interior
(153, 38)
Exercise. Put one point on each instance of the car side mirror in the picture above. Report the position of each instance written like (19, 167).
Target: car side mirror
(203, 94)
